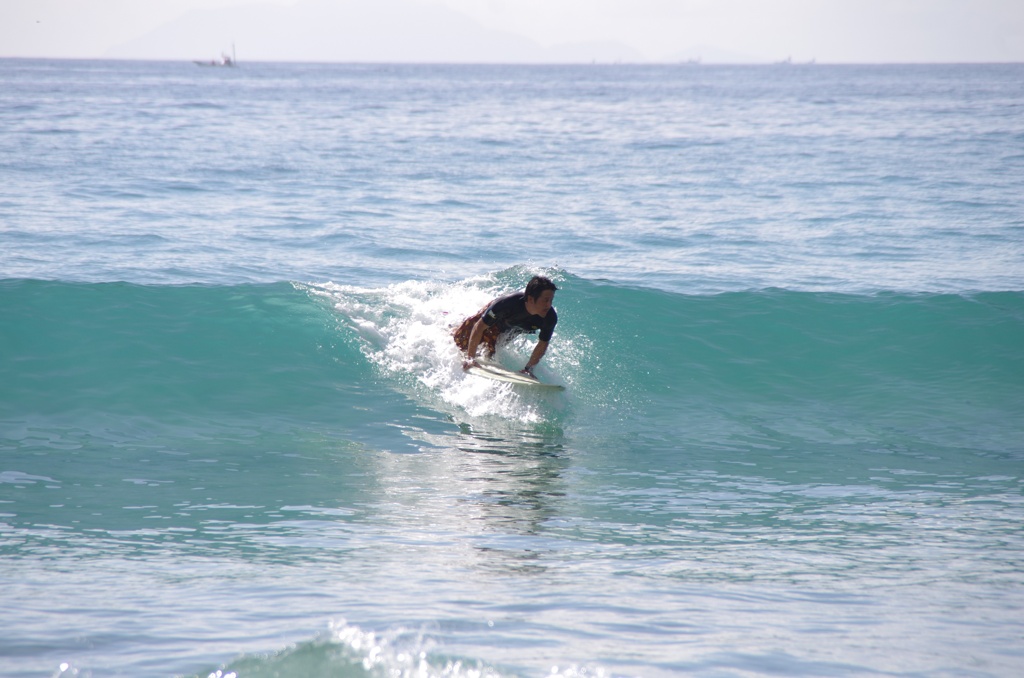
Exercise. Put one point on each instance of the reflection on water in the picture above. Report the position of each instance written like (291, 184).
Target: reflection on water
(517, 480)
(488, 486)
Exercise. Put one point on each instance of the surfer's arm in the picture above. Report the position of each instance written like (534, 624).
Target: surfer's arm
(473, 343)
(538, 352)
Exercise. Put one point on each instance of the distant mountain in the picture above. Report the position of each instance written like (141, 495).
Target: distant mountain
(350, 31)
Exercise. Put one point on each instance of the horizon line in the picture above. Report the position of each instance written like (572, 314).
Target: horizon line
(696, 62)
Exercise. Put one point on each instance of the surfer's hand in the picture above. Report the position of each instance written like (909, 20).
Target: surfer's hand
(528, 371)
(467, 363)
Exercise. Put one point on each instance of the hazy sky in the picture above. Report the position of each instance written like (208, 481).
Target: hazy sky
(833, 31)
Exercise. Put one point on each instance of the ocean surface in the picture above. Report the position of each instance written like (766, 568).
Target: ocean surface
(236, 440)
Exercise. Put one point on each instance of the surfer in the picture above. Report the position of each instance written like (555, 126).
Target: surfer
(527, 311)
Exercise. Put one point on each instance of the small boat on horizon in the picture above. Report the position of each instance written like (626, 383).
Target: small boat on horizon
(225, 59)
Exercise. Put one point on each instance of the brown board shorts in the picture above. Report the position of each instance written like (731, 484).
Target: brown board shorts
(489, 340)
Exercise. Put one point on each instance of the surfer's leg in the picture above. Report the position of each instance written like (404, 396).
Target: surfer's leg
(490, 341)
(463, 331)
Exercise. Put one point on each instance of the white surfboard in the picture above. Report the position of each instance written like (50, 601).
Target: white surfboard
(492, 370)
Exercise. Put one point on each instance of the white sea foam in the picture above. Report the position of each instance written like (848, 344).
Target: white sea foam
(407, 330)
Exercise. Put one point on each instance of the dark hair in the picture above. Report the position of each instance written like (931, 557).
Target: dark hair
(537, 285)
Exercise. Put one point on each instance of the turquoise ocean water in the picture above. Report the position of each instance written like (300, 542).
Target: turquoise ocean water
(235, 438)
